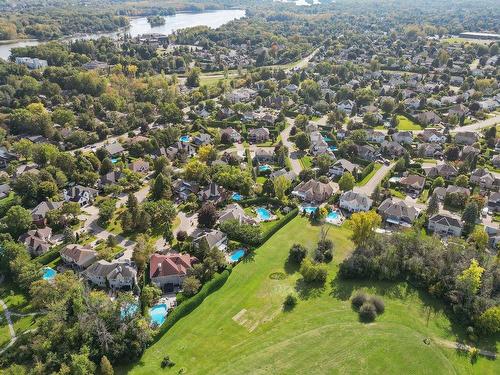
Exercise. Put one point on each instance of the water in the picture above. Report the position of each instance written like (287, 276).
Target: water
(236, 197)
(263, 168)
(333, 148)
(237, 255)
(115, 160)
(185, 138)
(333, 215)
(309, 210)
(263, 213)
(49, 273)
(139, 26)
(327, 139)
(158, 314)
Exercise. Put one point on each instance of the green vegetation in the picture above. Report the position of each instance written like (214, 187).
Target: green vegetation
(245, 316)
(369, 176)
(406, 124)
(306, 162)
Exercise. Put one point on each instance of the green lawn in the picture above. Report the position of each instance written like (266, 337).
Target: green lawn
(424, 196)
(397, 193)
(242, 329)
(369, 176)
(406, 124)
(4, 330)
(306, 162)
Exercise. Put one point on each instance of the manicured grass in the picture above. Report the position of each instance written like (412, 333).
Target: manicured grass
(407, 124)
(306, 162)
(242, 328)
(369, 176)
(397, 193)
(4, 330)
(424, 196)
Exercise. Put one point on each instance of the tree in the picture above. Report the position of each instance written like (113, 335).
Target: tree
(462, 180)
(300, 122)
(195, 171)
(161, 187)
(470, 278)
(433, 206)
(68, 235)
(171, 113)
(324, 162)
(142, 251)
(363, 225)
(106, 366)
(469, 216)
(81, 363)
(302, 141)
(478, 238)
(438, 182)
(190, 286)
(193, 77)
(106, 211)
(489, 321)
(388, 105)
(297, 253)
(149, 294)
(207, 153)
(106, 166)
(23, 147)
(313, 272)
(346, 182)
(18, 220)
(207, 215)
(281, 184)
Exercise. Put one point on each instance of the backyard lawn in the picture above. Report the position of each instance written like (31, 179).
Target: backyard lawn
(242, 329)
(306, 162)
(407, 124)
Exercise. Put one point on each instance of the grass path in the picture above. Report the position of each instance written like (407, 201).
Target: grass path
(242, 329)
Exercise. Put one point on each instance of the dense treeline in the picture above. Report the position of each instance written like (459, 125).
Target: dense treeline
(457, 272)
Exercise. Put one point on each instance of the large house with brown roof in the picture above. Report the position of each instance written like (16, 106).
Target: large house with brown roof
(314, 191)
(397, 212)
(168, 271)
(37, 241)
(78, 256)
(117, 274)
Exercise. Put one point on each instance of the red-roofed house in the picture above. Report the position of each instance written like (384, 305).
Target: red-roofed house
(169, 270)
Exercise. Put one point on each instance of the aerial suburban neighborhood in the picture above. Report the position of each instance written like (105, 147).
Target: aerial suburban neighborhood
(272, 187)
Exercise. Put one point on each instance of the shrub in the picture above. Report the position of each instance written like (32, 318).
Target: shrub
(313, 272)
(297, 253)
(166, 362)
(290, 302)
(367, 312)
(358, 300)
(378, 303)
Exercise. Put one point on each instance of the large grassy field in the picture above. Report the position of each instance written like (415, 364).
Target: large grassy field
(242, 329)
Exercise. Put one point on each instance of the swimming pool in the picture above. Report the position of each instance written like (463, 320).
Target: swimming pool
(309, 210)
(263, 213)
(115, 160)
(158, 314)
(333, 148)
(49, 273)
(236, 197)
(327, 139)
(236, 255)
(184, 138)
(332, 215)
(128, 310)
(263, 168)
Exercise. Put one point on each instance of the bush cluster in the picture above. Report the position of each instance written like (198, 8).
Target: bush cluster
(367, 306)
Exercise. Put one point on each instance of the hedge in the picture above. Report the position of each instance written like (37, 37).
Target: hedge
(259, 201)
(192, 303)
(49, 256)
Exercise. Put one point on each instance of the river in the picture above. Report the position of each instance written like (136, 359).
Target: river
(140, 25)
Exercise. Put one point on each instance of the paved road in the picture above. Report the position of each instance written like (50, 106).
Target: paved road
(370, 186)
(303, 62)
(478, 125)
(294, 155)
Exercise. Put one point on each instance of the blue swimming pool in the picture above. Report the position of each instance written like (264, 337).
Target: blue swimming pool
(236, 255)
(263, 213)
(263, 168)
(128, 310)
(309, 210)
(333, 215)
(333, 148)
(158, 314)
(327, 139)
(184, 138)
(115, 160)
(236, 197)
(49, 273)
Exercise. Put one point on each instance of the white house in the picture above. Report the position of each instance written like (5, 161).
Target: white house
(355, 202)
(445, 225)
(116, 274)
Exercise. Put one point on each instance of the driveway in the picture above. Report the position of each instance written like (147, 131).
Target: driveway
(376, 179)
(293, 153)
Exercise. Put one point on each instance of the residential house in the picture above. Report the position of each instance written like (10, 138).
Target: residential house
(232, 135)
(289, 175)
(117, 274)
(110, 178)
(342, 166)
(403, 137)
(181, 150)
(168, 271)
(5, 190)
(32, 63)
(213, 193)
(355, 202)
(375, 136)
(139, 166)
(258, 135)
(234, 211)
(445, 225)
(78, 256)
(428, 118)
(80, 194)
(114, 149)
(493, 236)
(183, 189)
(392, 148)
(430, 150)
(444, 170)
(413, 184)
(202, 139)
(37, 241)
(433, 136)
(314, 191)
(397, 212)
(367, 152)
(346, 106)
(318, 144)
(496, 161)
(458, 110)
(211, 238)
(39, 213)
(263, 155)
(494, 202)
(466, 138)
(442, 192)
(240, 95)
(6, 157)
